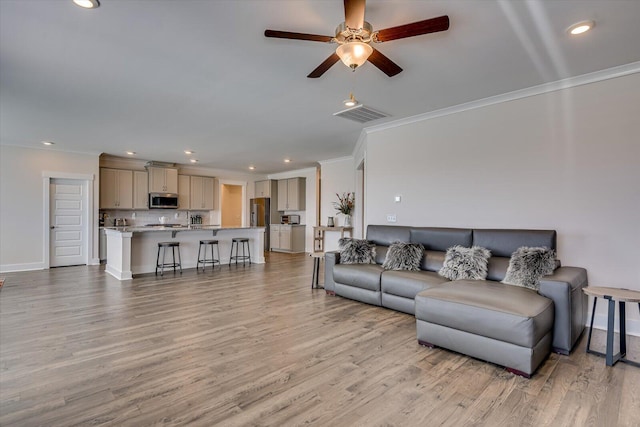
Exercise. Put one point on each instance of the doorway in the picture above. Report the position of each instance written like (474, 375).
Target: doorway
(68, 222)
(231, 205)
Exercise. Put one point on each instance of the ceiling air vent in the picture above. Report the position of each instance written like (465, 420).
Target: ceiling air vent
(360, 114)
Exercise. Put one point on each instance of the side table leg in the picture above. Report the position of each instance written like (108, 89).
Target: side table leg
(593, 313)
(623, 329)
(610, 331)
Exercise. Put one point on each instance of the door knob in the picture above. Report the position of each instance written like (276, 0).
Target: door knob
(52, 227)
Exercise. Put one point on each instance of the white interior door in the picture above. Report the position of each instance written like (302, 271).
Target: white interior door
(67, 222)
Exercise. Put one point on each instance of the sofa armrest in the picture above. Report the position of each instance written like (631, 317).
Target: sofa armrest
(564, 287)
(331, 258)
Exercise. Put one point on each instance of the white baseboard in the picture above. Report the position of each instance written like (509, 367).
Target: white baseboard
(94, 261)
(632, 324)
(120, 275)
(7, 268)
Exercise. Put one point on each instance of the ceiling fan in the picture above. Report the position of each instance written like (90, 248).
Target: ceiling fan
(354, 37)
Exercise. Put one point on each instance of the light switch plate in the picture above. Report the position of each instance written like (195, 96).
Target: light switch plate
(391, 218)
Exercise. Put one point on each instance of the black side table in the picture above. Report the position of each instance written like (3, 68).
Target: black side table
(623, 296)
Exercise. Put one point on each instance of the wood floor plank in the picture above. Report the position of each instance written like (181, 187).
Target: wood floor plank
(255, 345)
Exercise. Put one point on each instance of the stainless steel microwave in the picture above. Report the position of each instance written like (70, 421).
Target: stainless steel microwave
(163, 201)
(290, 219)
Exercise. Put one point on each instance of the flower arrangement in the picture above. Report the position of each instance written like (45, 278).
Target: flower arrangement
(345, 203)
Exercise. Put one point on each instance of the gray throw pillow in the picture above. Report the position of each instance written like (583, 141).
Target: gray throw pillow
(403, 256)
(356, 251)
(527, 265)
(462, 263)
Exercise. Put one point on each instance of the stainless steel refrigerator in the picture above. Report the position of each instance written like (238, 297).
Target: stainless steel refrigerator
(261, 217)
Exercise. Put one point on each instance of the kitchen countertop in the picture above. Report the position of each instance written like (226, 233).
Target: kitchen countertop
(144, 228)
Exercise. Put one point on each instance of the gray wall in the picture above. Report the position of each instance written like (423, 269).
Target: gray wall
(567, 160)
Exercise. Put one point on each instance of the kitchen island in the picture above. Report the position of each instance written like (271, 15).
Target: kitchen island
(133, 250)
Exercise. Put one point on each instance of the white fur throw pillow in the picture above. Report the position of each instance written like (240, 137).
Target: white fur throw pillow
(356, 251)
(527, 265)
(462, 263)
(403, 256)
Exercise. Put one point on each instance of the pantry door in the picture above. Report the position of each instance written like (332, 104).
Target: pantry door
(68, 215)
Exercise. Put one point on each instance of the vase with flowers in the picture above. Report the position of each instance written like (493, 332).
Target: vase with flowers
(344, 205)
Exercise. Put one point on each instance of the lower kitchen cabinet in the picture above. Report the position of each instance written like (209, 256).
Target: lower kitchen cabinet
(287, 238)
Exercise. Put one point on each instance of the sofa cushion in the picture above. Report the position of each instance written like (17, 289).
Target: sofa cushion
(505, 242)
(356, 251)
(528, 265)
(441, 239)
(385, 235)
(365, 276)
(503, 312)
(403, 256)
(408, 283)
(381, 253)
(497, 268)
(465, 263)
(432, 260)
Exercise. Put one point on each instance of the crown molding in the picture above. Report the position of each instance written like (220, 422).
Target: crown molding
(584, 79)
(336, 160)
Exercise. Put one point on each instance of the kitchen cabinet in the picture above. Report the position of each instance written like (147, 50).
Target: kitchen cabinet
(140, 190)
(265, 188)
(292, 194)
(116, 189)
(287, 238)
(184, 192)
(163, 180)
(202, 192)
(274, 237)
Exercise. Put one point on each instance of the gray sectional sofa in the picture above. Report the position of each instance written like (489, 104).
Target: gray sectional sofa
(508, 325)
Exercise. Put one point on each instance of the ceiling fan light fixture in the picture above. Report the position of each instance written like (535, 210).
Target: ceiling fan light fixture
(87, 4)
(354, 53)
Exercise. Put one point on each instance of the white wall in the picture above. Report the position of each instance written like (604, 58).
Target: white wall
(567, 160)
(22, 202)
(308, 216)
(337, 176)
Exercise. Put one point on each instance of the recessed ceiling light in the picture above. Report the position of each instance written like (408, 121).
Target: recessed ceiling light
(48, 143)
(252, 168)
(287, 160)
(87, 4)
(193, 160)
(580, 27)
(131, 153)
(189, 152)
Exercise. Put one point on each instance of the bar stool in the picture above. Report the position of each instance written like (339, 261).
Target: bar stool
(174, 264)
(245, 243)
(204, 261)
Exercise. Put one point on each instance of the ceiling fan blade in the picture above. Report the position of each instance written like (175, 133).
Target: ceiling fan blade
(322, 68)
(427, 26)
(354, 13)
(296, 36)
(385, 65)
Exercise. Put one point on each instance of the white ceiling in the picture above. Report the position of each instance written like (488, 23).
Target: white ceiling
(159, 77)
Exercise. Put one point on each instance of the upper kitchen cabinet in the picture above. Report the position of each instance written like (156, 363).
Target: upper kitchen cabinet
(202, 192)
(263, 188)
(184, 192)
(116, 189)
(292, 194)
(140, 190)
(163, 180)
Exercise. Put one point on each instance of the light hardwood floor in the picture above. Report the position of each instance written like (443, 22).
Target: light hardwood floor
(256, 346)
